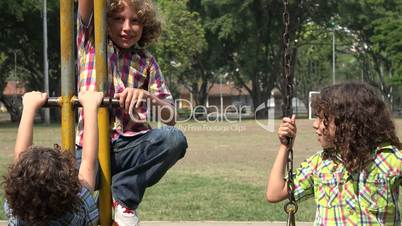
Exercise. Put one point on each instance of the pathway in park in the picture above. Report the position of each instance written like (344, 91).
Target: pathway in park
(209, 223)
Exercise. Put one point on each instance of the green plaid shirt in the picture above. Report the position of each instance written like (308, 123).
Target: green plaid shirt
(366, 198)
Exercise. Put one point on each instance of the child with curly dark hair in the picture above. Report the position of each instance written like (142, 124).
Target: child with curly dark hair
(355, 180)
(140, 155)
(43, 186)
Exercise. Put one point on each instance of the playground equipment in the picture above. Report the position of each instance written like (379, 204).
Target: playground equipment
(68, 101)
(291, 205)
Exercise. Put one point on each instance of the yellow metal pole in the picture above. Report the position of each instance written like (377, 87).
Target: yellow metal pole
(105, 202)
(67, 73)
(105, 197)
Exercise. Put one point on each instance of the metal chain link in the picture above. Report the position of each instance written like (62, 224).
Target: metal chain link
(290, 206)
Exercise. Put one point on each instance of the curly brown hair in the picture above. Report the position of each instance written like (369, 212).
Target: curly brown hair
(362, 120)
(146, 12)
(42, 185)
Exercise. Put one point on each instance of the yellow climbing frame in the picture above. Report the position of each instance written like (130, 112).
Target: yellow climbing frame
(67, 92)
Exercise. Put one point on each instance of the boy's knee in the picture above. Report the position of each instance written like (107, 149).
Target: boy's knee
(181, 142)
(177, 141)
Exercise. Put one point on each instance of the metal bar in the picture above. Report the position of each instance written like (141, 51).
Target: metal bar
(107, 102)
(45, 59)
(105, 200)
(56, 102)
(105, 194)
(52, 102)
(67, 73)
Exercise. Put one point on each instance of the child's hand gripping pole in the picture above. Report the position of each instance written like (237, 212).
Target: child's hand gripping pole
(31, 102)
(90, 101)
(287, 134)
(107, 102)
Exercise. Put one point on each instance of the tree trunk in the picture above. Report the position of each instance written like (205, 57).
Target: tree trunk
(13, 105)
(203, 93)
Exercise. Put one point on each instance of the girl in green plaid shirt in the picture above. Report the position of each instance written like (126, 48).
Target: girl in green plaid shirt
(355, 179)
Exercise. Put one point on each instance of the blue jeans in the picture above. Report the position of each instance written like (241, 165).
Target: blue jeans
(141, 161)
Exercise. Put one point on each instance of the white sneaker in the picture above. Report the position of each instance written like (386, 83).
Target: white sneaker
(124, 216)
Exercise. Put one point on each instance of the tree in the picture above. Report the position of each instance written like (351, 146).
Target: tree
(21, 26)
(244, 40)
(249, 34)
(182, 40)
(314, 60)
(312, 66)
(387, 42)
(375, 25)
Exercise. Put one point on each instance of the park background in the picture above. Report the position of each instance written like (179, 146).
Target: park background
(226, 53)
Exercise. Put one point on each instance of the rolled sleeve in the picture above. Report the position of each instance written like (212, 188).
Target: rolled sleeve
(84, 31)
(304, 178)
(89, 204)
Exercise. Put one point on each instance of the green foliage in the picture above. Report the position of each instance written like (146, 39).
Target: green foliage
(314, 61)
(186, 50)
(183, 35)
(182, 38)
(21, 47)
(248, 39)
(386, 41)
(376, 27)
(249, 34)
(22, 26)
(242, 39)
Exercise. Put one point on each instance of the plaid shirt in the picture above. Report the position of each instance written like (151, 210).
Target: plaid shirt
(366, 198)
(86, 215)
(135, 68)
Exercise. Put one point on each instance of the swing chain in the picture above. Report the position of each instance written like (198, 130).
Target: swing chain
(286, 63)
(286, 57)
(291, 206)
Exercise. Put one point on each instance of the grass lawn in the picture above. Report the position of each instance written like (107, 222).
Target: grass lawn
(222, 177)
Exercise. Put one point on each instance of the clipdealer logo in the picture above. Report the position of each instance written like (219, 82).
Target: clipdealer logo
(269, 123)
(203, 114)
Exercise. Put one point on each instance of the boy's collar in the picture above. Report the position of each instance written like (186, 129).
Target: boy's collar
(134, 49)
(380, 148)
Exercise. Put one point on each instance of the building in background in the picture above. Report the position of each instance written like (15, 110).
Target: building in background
(14, 88)
(229, 99)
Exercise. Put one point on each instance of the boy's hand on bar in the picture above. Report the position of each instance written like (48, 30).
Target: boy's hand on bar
(34, 100)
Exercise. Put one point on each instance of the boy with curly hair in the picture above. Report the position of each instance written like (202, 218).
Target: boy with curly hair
(139, 155)
(43, 186)
(355, 179)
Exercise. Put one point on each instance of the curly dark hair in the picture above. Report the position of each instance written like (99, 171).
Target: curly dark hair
(362, 120)
(42, 185)
(146, 12)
